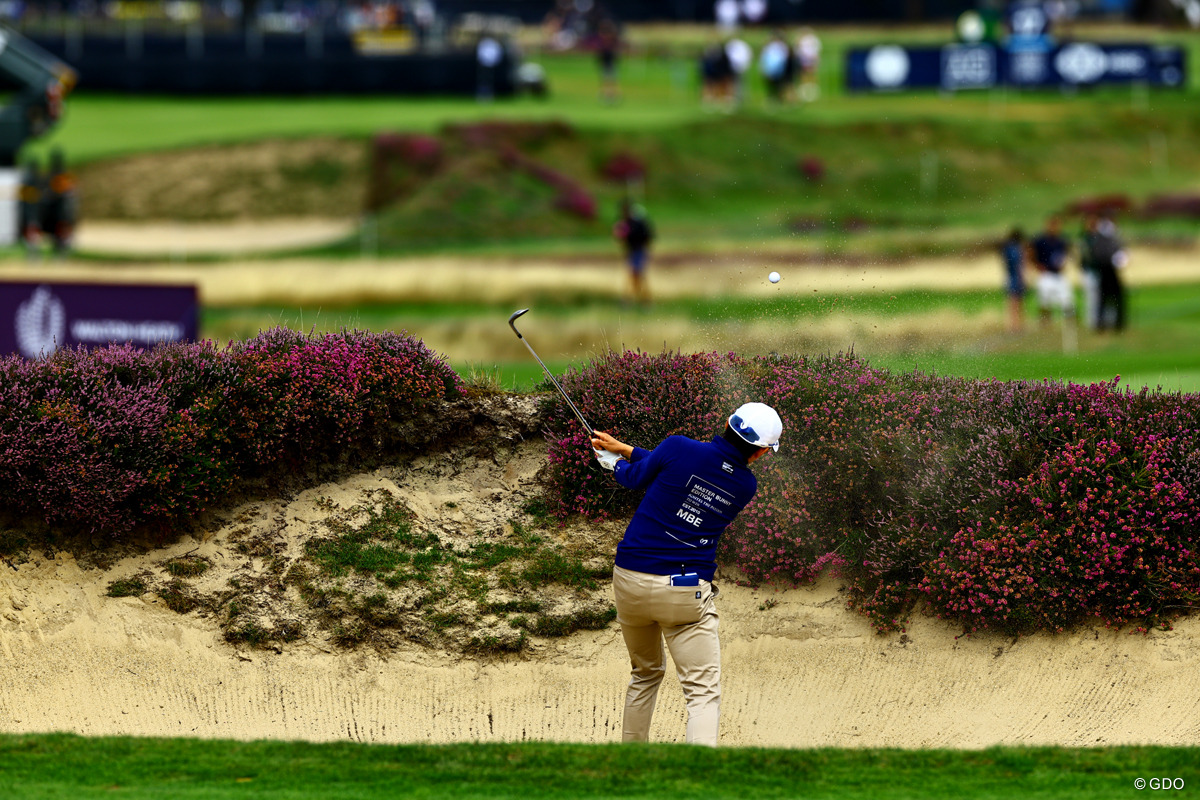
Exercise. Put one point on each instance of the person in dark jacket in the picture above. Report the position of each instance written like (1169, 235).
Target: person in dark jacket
(662, 579)
(1048, 251)
(1089, 279)
(59, 205)
(1109, 258)
(30, 197)
(608, 49)
(635, 232)
(1013, 254)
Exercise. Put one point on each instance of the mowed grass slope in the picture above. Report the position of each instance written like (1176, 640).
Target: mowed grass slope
(893, 185)
(33, 767)
(905, 173)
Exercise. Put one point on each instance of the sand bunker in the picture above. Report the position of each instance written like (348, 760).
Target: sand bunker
(800, 669)
(803, 673)
(180, 240)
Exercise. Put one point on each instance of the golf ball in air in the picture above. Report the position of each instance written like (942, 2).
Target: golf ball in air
(773, 277)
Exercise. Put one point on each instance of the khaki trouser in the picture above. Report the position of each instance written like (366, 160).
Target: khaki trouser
(650, 609)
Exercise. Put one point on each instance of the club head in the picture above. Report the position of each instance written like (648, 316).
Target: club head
(513, 319)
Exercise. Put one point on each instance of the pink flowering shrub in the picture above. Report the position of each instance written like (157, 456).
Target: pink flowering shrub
(109, 439)
(1004, 506)
(77, 434)
(636, 397)
(399, 163)
(1105, 524)
(302, 396)
(623, 167)
(572, 196)
(811, 167)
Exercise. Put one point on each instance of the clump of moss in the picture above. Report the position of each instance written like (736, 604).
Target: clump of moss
(127, 587)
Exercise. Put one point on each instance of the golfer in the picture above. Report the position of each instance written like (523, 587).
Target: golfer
(665, 563)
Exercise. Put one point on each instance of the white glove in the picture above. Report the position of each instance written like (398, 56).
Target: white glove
(607, 460)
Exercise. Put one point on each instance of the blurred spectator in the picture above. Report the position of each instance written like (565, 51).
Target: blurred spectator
(608, 46)
(778, 68)
(29, 209)
(424, 17)
(1012, 251)
(754, 11)
(59, 205)
(565, 26)
(716, 76)
(1109, 257)
(1089, 279)
(635, 232)
(488, 54)
(808, 53)
(741, 56)
(727, 14)
(531, 79)
(1049, 253)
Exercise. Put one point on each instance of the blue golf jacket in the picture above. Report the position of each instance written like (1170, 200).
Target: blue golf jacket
(693, 491)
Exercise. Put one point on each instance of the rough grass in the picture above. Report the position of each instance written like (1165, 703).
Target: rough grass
(318, 177)
(65, 765)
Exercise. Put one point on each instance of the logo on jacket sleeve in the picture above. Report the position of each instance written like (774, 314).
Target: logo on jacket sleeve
(725, 465)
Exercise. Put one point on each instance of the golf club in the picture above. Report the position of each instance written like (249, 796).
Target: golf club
(512, 320)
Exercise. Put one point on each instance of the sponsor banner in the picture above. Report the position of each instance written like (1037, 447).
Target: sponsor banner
(969, 67)
(982, 66)
(38, 318)
(1087, 63)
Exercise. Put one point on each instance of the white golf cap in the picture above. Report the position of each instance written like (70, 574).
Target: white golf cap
(758, 424)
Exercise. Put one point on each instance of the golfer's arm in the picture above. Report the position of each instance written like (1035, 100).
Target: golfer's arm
(638, 471)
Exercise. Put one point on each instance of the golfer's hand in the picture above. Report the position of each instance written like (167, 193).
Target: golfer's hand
(602, 441)
(608, 461)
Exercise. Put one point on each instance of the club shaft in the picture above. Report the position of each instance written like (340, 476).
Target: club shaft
(550, 375)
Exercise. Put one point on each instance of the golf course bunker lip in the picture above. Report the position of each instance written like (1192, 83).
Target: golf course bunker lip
(799, 671)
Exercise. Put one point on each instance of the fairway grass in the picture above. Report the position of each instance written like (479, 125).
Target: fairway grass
(33, 767)
(950, 333)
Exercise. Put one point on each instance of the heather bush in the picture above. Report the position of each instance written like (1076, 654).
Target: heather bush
(77, 434)
(108, 439)
(1002, 506)
(636, 397)
(1105, 524)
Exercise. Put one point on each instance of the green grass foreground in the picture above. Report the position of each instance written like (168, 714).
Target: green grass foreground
(63, 765)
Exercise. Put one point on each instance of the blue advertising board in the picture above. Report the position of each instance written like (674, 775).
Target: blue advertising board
(954, 67)
(38, 318)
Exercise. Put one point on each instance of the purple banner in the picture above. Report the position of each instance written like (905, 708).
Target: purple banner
(38, 318)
